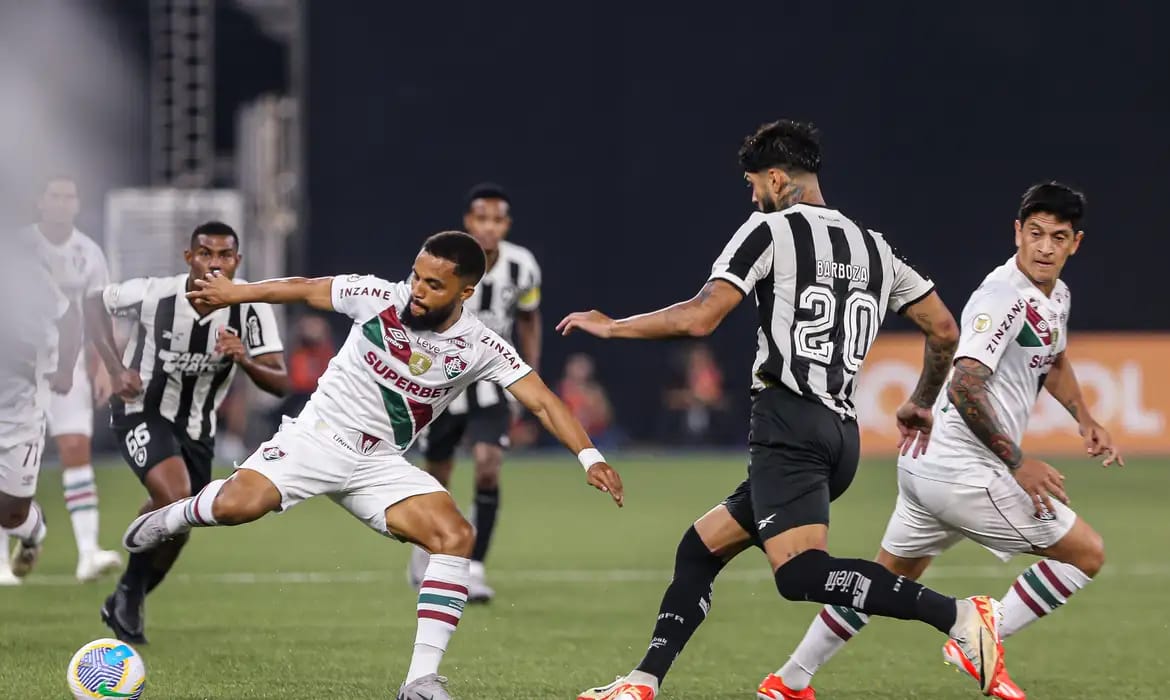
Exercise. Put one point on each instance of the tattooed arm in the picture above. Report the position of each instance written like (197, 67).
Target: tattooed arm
(942, 337)
(695, 317)
(968, 392)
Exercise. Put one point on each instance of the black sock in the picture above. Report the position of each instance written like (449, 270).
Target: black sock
(865, 586)
(684, 605)
(487, 506)
(164, 558)
(137, 573)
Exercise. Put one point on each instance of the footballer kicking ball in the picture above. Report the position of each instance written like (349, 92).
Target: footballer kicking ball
(106, 668)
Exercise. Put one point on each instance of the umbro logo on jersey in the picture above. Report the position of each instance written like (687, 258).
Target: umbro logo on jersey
(272, 453)
(396, 337)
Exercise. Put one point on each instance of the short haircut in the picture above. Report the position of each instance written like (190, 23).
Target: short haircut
(58, 177)
(461, 249)
(486, 190)
(214, 228)
(784, 144)
(1062, 201)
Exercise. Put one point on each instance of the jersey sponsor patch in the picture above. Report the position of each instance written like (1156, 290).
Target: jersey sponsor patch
(982, 323)
(419, 363)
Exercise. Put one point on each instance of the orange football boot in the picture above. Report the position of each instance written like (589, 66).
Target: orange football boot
(1002, 687)
(773, 688)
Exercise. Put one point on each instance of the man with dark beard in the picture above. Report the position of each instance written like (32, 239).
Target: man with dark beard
(412, 348)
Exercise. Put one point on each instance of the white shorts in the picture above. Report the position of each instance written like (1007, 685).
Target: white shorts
(932, 516)
(19, 466)
(306, 458)
(72, 413)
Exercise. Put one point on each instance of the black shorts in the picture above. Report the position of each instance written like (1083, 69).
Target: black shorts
(146, 439)
(480, 424)
(803, 456)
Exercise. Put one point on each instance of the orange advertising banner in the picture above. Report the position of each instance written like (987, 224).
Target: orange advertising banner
(1125, 378)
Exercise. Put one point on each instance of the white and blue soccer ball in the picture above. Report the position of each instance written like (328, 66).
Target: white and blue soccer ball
(106, 668)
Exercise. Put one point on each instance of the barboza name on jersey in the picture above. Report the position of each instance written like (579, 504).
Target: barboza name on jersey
(845, 271)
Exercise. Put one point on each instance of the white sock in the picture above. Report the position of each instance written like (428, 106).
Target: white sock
(81, 500)
(827, 634)
(32, 530)
(441, 600)
(195, 511)
(1041, 589)
(642, 678)
(5, 565)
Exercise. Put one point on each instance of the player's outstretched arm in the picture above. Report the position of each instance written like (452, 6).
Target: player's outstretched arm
(914, 418)
(218, 291)
(558, 420)
(696, 317)
(1062, 383)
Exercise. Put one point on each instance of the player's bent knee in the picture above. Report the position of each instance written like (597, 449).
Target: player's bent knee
(454, 536)
(487, 479)
(801, 574)
(1092, 557)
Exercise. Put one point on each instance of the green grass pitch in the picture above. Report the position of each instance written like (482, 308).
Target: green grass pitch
(312, 604)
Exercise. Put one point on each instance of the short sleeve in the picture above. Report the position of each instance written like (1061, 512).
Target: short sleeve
(261, 334)
(747, 257)
(99, 272)
(908, 287)
(991, 321)
(529, 299)
(500, 362)
(363, 296)
(124, 299)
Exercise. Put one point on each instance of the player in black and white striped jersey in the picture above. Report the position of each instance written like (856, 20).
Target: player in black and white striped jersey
(507, 300)
(822, 285)
(168, 383)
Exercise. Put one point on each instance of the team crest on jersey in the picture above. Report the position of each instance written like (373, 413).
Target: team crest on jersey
(1044, 515)
(419, 363)
(367, 443)
(272, 453)
(453, 366)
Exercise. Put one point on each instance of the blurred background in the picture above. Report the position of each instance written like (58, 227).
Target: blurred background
(337, 135)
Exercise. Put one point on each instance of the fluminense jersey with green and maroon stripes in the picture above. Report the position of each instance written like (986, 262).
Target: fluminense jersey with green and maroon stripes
(390, 381)
(1017, 331)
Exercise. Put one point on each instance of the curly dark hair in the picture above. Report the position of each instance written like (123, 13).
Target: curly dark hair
(785, 144)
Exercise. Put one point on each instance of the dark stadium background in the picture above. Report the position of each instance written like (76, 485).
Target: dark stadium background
(615, 126)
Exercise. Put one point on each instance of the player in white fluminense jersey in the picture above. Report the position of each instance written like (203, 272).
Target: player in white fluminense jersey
(412, 348)
(968, 478)
(507, 299)
(38, 348)
(79, 267)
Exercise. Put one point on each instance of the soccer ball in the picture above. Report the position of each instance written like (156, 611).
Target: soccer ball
(106, 668)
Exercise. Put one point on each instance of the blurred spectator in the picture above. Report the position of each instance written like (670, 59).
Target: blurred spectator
(312, 349)
(586, 398)
(695, 402)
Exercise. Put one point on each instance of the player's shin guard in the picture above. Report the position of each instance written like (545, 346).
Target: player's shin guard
(865, 586)
(81, 500)
(1041, 589)
(487, 508)
(32, 531)
(827, 634)
(441, 600)
(684, 605)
